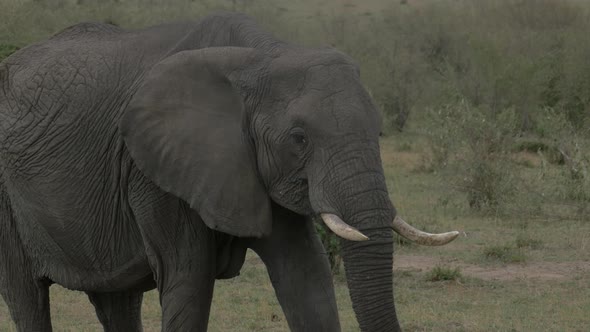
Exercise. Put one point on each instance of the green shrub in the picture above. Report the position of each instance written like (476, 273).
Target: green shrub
(572, 144)
(475, 142)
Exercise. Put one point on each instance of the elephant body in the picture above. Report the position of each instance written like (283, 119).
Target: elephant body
(154, 158)
(72, 198)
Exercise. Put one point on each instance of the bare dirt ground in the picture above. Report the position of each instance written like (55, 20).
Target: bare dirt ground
(534, 270)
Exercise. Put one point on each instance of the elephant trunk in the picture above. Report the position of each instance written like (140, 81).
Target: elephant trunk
(369, 264)
(369, 273)
(355, 192)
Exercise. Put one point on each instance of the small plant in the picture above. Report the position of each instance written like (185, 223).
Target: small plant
(404, 147)
(524, 241)
(504, 254)
(444, 273)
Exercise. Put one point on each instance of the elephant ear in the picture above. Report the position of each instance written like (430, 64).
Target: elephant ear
(184, 129)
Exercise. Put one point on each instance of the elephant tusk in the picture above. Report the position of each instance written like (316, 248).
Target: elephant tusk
(342, 229)
(423, 238)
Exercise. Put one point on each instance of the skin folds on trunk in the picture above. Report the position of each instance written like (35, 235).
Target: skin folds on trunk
(369, 272)
(355, 189)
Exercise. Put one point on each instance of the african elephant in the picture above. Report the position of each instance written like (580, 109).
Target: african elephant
(140, 159)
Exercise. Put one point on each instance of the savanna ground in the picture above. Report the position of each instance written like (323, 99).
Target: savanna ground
(486, 110)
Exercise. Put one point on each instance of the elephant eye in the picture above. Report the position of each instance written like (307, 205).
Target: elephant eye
(297, 136)
(298, 139)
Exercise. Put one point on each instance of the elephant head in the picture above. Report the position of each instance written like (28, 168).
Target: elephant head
(230, 129)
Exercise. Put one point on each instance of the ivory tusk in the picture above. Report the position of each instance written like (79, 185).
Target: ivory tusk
(423, 238)
(341, 228)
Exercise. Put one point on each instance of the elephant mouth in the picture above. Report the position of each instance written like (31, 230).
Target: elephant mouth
(303, 182)
(293, 195)
(345, 231)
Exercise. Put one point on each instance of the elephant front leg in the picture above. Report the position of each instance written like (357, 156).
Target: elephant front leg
(300, 273)
(181, 253)
(186, 300)
(184, 273)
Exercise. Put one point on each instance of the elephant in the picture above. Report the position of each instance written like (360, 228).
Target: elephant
(154, 158)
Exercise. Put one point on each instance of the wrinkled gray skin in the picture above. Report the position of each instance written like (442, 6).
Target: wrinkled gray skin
(153, 158)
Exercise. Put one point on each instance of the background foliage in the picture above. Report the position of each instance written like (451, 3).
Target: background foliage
(474, 77)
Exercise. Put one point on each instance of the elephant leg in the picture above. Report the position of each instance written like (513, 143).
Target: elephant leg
(26, 296)
(181, 253)
(118, 311)
(300, 272)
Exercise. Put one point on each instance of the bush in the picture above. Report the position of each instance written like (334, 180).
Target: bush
(575, 156)
(473, 150)
(475, 142)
